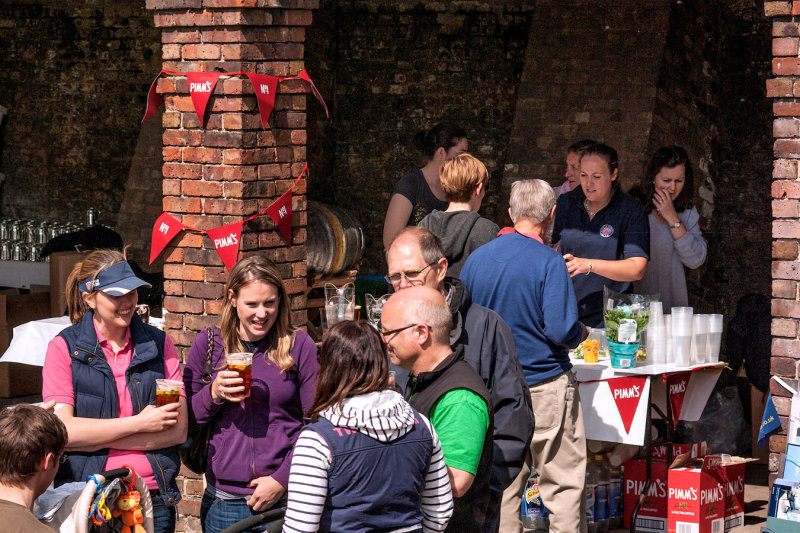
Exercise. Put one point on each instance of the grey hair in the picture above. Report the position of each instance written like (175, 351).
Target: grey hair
(531, 199)
(436, 315)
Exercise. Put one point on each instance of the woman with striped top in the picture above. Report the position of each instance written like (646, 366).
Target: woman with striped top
(368, 461)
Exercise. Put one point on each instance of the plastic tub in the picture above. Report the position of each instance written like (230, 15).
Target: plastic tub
(622, 355)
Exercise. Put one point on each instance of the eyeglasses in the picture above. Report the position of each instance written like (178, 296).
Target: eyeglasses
(62, 458)
(412, 276)
(393, 331)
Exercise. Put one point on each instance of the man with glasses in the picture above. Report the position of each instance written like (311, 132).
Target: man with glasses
(32, 443)
(415, 324)
(416, 258)
(522, 278)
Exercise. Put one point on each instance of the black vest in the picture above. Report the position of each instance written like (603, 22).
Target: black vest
(425, 390)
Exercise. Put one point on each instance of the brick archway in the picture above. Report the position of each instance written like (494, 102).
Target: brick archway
(784, 89)
(231, 168)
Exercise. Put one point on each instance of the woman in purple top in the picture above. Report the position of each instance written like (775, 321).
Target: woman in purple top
(249, 450)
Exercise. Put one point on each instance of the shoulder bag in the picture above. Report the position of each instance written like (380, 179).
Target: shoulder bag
(194, 452)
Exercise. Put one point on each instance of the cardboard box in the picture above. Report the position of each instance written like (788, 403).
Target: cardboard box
(791, 465)
(733, 479)
(61, 264)
(667, 452)
(17, 379)
(696, 498)
(776, 525)
(652, 515)
(784, 501)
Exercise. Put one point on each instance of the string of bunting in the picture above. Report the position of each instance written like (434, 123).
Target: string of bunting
(201, 85)
(226, 238)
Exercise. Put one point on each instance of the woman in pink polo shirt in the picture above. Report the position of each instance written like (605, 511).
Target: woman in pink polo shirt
(101, 371)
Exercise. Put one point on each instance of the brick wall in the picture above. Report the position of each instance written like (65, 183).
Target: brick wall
(75, 79)
(686, 112)
(736, 189)
(693, 77)
(591, 71)
(395, 68)
(784, 89)
(231, 168)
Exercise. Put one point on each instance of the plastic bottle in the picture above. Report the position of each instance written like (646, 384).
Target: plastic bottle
(614, 497)
(601, 494)
(533, 514)
(590, 488)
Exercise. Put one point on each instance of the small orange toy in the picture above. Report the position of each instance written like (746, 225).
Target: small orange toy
(129, 508)
(131, 512)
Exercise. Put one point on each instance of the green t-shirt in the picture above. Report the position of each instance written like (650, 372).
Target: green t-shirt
(461, 419)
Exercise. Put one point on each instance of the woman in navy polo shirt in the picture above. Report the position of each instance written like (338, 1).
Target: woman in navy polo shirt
(602, 232)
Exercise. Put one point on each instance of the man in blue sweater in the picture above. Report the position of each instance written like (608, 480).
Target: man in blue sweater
(526, 282)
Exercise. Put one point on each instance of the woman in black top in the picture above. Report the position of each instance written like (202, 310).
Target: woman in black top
(420, 192)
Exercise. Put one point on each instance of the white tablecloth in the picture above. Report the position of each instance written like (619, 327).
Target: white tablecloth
(602, 419)
(29, 341)
(23, 274)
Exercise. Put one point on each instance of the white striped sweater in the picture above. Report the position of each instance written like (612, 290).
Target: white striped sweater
(383, 416)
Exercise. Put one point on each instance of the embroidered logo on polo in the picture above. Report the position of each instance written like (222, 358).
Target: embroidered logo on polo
(606, 231)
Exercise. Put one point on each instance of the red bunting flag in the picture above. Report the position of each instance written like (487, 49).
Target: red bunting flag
(164, 230)
(201, 85)
(226, 240)
(265, 88)
(676, 390)
(627, 392)
(304, 76)
(280, 211)
(154, 101)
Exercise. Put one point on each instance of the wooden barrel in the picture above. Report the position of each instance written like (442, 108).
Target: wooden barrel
(335, 240)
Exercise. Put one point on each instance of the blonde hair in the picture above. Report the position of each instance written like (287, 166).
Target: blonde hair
(459, 177)
(281, 336)
(88, 268)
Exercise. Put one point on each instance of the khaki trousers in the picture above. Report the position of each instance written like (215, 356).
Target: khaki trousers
(558, 452)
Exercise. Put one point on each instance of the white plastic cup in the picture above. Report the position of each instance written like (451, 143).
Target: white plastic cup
(714, 338)
(668, 340)
(682, 321)
(699, 339)
(682, 347)
(657, 342)
(682, 335)
(656, 311)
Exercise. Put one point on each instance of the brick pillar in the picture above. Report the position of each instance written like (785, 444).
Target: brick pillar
(784, 88)
(231, 168)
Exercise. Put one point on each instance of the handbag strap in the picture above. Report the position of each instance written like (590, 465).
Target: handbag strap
(207, 364)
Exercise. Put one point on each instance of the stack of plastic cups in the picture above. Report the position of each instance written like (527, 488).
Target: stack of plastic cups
(714, 338)
(699, 339)
(682, 335)
(668, 339)
(656, 336)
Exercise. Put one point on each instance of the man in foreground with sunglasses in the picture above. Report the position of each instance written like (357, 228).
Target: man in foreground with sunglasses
(416, 258)
(415, 325)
